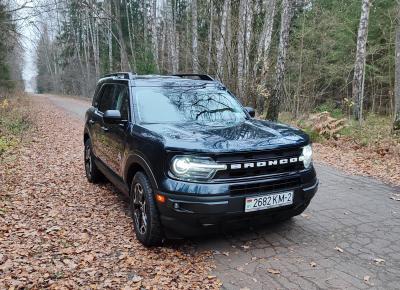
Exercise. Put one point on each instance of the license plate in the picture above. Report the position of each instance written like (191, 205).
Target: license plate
(268, 201)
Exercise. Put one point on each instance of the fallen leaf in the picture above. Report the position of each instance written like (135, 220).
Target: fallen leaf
(136, 278)
(53, 229)
(367, 280)
(273, 271)
(379, 261)
(339, 249)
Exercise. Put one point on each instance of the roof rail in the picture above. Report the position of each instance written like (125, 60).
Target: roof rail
(121, 75)
(203, 77)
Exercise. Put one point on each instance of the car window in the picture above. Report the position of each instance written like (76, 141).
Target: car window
(115, 97)
(106, 98)
(200, 104)
(122, 102)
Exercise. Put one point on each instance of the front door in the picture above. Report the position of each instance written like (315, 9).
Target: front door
(98, 128)
(117, 133)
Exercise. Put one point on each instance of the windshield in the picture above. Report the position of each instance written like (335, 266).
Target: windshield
(202, 104)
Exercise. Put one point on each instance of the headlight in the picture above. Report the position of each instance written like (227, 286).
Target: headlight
(306, 156)
(195, 168)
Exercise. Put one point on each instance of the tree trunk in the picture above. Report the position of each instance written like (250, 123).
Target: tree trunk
(110, 39)
(210, 35)
(171, 38)
(396, 123)
(359, 67)
(195, 54)
(221, 40)
(154, 38)
(278, 91)
(265, 38)
(125, 66)
(240, 47)
(130, 33)
(248, 35)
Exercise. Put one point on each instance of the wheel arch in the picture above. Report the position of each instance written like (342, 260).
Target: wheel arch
(86, 135)
(136, 163)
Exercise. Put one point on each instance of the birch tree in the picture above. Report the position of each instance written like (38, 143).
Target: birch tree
(221, 39)
(264, 41)
(171, 37)
(278, 90)
(359, 67)
(396, 123)
(125, 65)
(210, 35)
(195, 53)
(110, 38)
(240, 47)
(154, 37)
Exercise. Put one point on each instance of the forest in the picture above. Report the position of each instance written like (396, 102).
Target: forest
(275, 55)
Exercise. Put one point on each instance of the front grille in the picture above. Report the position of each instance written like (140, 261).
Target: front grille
(261, 187)
(255, 171)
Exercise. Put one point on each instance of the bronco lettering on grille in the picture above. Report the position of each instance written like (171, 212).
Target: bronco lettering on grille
(258, 164)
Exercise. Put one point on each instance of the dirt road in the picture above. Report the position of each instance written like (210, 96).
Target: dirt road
(72, 232)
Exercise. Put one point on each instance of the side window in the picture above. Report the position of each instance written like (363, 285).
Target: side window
(122, 102)
(115, 97)
(106, 98)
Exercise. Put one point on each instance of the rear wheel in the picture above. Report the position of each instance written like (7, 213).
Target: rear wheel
(144, 212)
(93, 174)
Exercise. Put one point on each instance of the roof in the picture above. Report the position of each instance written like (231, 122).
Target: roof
(164, 80)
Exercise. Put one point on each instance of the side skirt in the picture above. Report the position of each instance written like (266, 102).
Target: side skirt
(112, 177)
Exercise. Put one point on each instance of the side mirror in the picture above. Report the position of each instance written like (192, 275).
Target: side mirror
(112, 117)
(251, 111)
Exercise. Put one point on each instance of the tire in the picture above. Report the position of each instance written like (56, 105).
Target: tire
(93, 174)
(145, 216)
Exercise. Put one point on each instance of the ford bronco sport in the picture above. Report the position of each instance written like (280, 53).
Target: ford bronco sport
(191, 158)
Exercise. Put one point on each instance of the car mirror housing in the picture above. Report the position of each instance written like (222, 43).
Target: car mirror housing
(251, 111)
(112, 117)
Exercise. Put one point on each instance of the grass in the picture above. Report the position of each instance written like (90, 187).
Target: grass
(14, 120)
(374, 129)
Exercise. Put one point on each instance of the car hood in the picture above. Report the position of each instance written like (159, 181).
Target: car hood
(248, 135)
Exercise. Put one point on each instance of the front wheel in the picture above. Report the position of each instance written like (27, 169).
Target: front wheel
(144, 212)
(93, 174)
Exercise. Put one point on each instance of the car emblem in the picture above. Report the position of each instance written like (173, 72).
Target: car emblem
(268, 163)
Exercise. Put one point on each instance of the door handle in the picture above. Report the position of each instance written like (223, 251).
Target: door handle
(91, 122)
(105, 129)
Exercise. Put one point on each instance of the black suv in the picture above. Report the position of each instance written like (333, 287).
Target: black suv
(191, 158)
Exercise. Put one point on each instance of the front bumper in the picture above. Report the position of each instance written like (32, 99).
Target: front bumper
(184, 215)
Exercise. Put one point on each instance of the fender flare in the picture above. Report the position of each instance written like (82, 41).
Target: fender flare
(135, 158)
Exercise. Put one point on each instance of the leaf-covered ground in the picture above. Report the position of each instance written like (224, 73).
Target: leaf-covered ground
(380, 161)
(59, 231)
